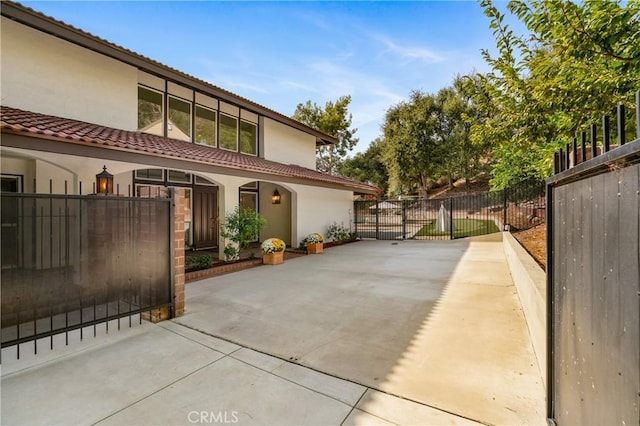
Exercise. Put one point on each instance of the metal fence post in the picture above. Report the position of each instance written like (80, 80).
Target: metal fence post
(172, 255)
(404, 220)
(621, 134)
(451, 218)
(504, 209)
(377, 219)
(355, 216)
(550, 296)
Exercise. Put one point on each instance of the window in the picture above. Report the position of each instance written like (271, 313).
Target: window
(202, 181)
(176, 176)
(11, 183)
(152, 191)
(250, 185)
(248, 138)
(205, 126)
(179, 125)
(150, 111)
(150, 174)
(228, 132)
(188, 231)
(249, 200)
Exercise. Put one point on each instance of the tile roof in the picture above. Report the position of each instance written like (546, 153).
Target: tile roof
(57, 28)
(33, 124)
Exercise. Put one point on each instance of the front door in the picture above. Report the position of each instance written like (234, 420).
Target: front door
(205, 217)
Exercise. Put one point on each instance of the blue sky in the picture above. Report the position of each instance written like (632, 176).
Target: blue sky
(284, 53)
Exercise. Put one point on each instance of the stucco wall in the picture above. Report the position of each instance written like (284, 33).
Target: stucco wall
(315, 209)
(287, 145)
(20, 166)
(44, 74)
(278, 215)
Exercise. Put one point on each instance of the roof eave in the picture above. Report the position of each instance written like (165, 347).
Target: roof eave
(8, 130)
(54, 27)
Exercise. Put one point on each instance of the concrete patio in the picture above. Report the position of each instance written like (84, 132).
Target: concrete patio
(375, 332)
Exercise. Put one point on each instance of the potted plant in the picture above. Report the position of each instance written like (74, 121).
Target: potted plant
(314, 243)
(273, 251)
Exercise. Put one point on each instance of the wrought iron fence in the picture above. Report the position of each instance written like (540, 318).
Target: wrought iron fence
(72, 261)
(516, 208)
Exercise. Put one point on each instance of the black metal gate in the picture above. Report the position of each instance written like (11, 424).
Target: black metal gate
(593, 286)
(71, 261)
(519, 207)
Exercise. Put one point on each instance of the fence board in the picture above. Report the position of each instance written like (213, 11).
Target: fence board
(596, 283)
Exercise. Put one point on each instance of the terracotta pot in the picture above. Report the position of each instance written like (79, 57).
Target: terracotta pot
(273, 258)
(315, 248)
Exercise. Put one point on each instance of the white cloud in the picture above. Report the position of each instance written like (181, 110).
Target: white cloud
(300, 86)
(407, 53)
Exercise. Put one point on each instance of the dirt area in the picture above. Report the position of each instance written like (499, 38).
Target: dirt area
(534, 240)
(476, 185)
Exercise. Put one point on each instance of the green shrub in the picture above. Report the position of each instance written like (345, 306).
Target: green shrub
(337, 232)
(241, 226)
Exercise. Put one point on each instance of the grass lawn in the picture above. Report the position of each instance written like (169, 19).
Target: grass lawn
(461, 228)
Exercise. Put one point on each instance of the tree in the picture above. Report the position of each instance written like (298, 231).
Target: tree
(578, 61)
(428, 137)
(408, 146)
(334, 120)
(367, 166)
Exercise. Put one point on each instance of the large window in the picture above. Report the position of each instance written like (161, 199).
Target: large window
(205, 126)
(248, 138)
(228, 132)
(178, 117)
(150, 111)
(179, 125)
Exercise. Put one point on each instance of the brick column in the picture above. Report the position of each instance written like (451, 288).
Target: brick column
(162, 314)
(178, 250)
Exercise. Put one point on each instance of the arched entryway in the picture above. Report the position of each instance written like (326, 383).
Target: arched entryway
(201, 213)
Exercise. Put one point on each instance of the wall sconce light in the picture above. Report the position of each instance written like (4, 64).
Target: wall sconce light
(276, 197)
(104, 182)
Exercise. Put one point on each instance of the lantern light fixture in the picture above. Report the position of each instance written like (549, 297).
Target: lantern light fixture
(104, 182)
(276, 197)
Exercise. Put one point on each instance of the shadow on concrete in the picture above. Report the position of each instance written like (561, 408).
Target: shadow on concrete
(429, 321)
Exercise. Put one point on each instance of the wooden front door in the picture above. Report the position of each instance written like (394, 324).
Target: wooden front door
(205, 217)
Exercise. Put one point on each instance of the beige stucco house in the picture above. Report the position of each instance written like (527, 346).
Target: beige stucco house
(72, 102)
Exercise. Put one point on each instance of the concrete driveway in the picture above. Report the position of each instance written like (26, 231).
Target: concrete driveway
(437, 322)
(368, 333)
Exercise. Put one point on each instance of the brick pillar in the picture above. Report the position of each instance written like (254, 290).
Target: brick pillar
(162, 314)
(178, 250)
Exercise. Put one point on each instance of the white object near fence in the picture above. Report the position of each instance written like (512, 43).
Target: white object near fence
(442, 224)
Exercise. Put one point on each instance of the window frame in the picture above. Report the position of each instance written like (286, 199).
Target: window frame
(191, 116)
(215, 125)
(148, 179)
(237, 119)
(163, 112)
(255, 142)
(181, 182)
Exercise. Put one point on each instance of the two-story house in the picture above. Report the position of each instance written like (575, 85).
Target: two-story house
(73, 102)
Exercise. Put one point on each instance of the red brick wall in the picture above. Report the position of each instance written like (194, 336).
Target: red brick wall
(178, 250)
